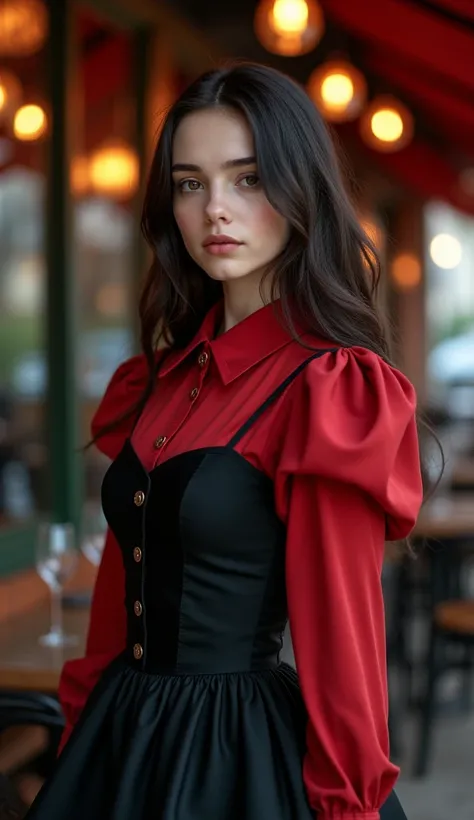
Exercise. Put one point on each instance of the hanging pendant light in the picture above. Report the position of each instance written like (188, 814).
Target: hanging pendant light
(405, 271)
(289, 27)
(23, 27)
(30, 123)
(338, 89)
(10, 94)
(114, 170)
(387, 125)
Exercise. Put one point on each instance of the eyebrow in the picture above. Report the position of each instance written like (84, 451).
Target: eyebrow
(231, 163)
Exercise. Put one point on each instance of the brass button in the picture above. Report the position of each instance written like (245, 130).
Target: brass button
(138, 651)
(137, 608)
(194, 393)
(137, 555)
(139, 498)
(159, 442)
(203, 359)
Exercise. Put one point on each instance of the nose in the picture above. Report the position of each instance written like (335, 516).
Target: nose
(217, 209)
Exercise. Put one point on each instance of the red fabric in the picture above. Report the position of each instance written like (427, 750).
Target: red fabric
(341, 446)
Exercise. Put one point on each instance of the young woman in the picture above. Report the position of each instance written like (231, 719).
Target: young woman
(259, 462)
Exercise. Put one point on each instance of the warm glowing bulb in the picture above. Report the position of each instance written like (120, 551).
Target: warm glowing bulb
(406, 271)
(289, 27)
(387, 125)
(337, 90)
(23, 27)
(114, 170)
(30, 122)
(3, 97)
(446, 251)
(289, 16)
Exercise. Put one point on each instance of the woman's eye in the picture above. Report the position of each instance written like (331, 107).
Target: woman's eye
(187, 185)
(250, 181)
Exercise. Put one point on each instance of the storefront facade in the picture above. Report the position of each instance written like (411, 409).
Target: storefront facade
(100, 75)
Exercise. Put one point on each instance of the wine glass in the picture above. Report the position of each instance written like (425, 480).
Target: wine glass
(56, 560)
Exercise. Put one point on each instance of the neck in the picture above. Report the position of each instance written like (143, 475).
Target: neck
(241, 301)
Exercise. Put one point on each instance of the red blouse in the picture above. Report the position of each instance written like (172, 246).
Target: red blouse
(341, 447)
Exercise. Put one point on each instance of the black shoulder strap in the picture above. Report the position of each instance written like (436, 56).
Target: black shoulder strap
(275, 395)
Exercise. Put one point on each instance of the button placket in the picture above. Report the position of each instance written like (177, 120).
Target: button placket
(136, 607)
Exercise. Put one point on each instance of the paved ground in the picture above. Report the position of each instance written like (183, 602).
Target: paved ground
(447, 792)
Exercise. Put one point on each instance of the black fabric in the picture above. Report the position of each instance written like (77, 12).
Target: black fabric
(11, 805)
(207, 724)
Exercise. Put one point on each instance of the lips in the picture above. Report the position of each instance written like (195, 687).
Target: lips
(220, 239)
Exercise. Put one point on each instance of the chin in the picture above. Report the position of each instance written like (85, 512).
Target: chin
(225, 272)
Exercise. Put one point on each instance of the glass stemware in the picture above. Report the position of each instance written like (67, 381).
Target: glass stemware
(56, 560)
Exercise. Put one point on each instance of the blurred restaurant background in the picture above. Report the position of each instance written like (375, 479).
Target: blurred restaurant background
(83, 88)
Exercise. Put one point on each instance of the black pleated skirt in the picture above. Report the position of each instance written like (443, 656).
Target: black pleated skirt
(186, 747)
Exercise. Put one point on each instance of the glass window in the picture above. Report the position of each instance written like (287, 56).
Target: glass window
(450, 310)
(23, 126)
(104, 180)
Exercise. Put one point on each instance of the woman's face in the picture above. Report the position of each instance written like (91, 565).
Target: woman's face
(226, 221)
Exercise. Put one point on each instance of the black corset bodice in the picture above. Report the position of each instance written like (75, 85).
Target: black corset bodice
(204, 557)
(203, 552)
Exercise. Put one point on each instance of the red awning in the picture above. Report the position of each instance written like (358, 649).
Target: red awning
(422, 50)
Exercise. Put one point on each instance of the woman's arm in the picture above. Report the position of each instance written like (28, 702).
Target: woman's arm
(348, 478)
(334, 561)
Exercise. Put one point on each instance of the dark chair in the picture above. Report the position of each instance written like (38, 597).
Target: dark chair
(34, 709)
(430, 595)
(452, 626)
(11, 805)
(21, 708)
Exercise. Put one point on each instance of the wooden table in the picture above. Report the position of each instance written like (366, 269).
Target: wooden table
(449, 516)
(27, 666)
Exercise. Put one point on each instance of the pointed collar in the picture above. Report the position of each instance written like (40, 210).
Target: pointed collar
(238, 349)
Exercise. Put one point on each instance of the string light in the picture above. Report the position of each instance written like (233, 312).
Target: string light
(23, 27)
(289, 27)
(406, 271)
(446, 251)
(30, 123)
(338, 89)
(387, 125)
(114, 170)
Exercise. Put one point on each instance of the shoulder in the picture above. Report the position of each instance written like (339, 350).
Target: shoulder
(355, 378)
(353, 419)
(124, 391)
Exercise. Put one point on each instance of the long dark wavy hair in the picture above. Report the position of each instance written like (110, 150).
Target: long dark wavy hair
(326, 276)
(328, 271)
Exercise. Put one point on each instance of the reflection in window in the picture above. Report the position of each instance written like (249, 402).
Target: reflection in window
(450, 310)
(22, 361)
(104, 177)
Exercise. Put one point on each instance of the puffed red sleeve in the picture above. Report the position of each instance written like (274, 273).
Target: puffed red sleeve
(106, 637)
(348, 479)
